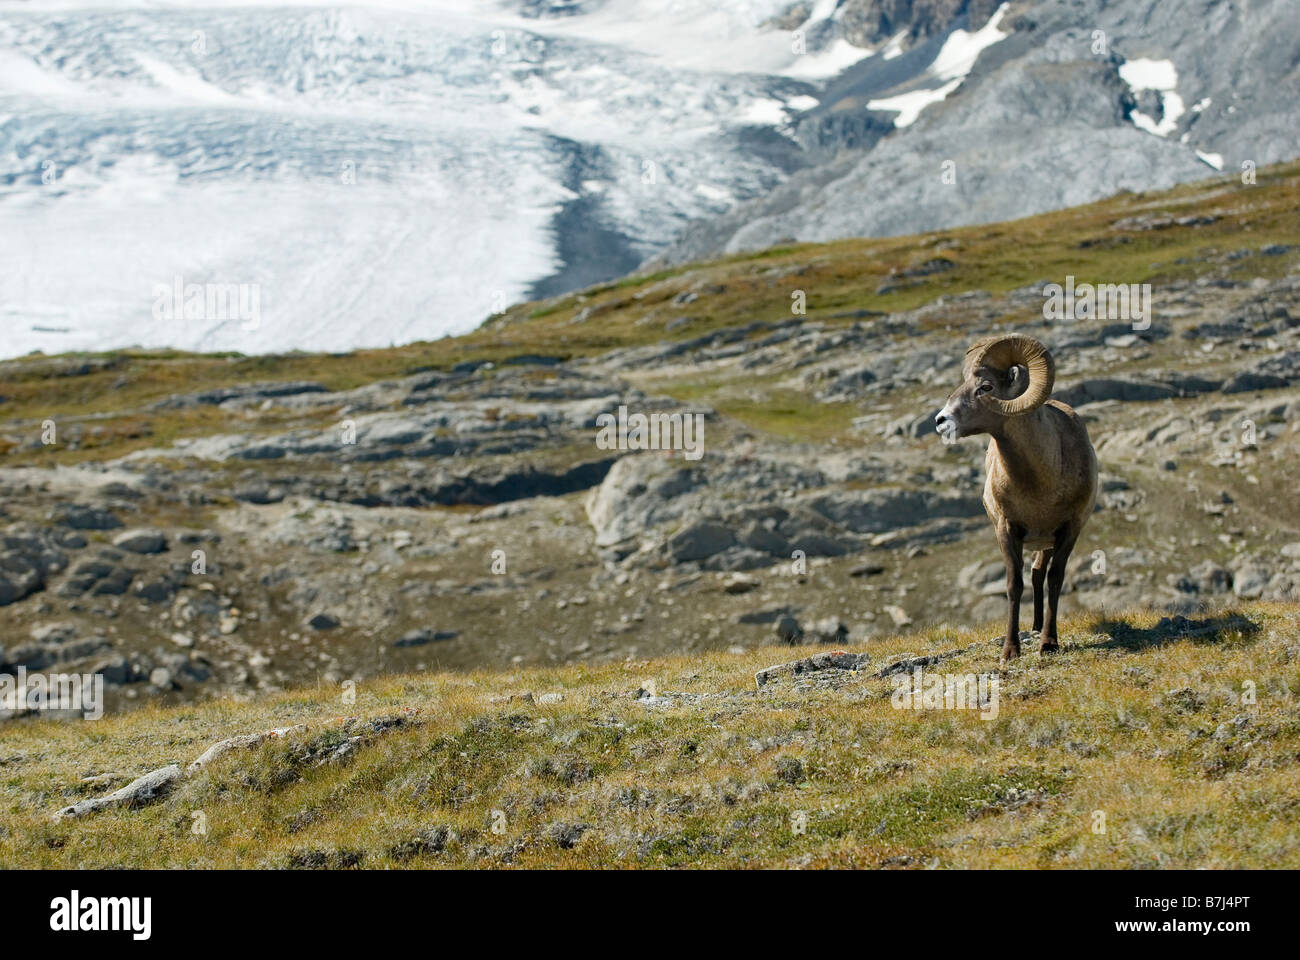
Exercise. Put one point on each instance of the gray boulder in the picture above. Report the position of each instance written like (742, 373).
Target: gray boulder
(323, 621)
(27, 558)
(1248, 381)
(1113, 388)
(883, 509)
(46, 633)
(987, 578)
(138, 792)
(828, 630)
(141, 540)
(418, 638)
(1208, 577)
(98, 577)
(1250, 580)
(700, 540)
(80, 516)
(788, 630)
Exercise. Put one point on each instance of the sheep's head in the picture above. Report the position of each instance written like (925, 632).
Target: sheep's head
(1005, 376)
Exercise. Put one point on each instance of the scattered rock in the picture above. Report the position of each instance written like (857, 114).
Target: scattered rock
(136, 793)
(788, 630)
(1250, 580)
(1208, 577)
(323, 621)
(739, 583)
(566, 835)
(828, 630)
(417, 638)
(908, 664)
(142, 540)
(84, 517)
(237, 743)
(98, 577)
(766, 615)
(425, 843)
(54, 633)
(27, 559)
(834, 660)
(898, 615)
(700, 540)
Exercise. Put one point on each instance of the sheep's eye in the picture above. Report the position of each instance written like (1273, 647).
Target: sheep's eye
(983, 388)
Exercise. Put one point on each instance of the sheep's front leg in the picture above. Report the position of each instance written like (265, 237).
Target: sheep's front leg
(1012, 543)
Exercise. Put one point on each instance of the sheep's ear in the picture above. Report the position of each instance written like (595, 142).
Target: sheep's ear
(1017, 379)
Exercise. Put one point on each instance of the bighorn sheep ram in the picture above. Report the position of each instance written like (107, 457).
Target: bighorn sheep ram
(1042, 470)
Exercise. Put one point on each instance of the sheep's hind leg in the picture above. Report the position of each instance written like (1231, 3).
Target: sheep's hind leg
(1041, 560)
(1013, 555)
(1055, 579)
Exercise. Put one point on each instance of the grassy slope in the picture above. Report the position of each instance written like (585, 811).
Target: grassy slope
(1131, 721)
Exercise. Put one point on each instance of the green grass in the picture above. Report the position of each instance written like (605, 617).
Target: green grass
(791, 414)
(1132, 748)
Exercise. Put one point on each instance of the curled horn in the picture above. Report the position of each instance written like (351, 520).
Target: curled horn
(1003, 353)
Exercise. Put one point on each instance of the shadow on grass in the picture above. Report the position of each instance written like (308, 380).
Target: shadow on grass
(1205, 629)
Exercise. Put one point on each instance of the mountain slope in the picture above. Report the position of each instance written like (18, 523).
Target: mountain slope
(1077, 101)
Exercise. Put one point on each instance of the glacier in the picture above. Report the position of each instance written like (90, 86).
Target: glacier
(380, 172)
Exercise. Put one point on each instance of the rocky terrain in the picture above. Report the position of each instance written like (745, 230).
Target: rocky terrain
(196, 526)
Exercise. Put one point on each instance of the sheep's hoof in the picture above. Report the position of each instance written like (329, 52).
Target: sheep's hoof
(1049, 647)
(1008, 653)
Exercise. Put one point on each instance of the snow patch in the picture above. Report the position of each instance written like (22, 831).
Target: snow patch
(953, 63)
(765, 113)
(716, 194)
(1159, 75)
(962, 48)
(832, 61)
(910, 105)
(1213, 159)
(823, 10)
(1144, 74)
